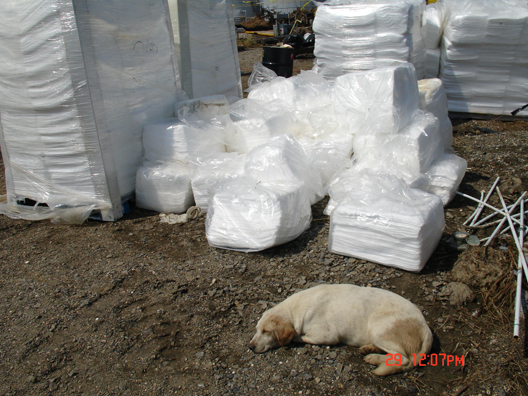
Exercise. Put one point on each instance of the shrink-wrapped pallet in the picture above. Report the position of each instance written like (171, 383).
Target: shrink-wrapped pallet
(433, 27)
(164, 188)
(210, 172)
(205, 35)
(483, 58)
(379, 101)
(354, 36)
(384, 221)
(283, 159)
(250, 216)
(78, 81)
(173, 140)
(445, 176)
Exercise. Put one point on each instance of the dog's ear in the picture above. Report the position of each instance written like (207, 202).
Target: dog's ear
(283, 332)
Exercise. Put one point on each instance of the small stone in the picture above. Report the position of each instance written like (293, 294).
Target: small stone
(332, 355)
(32, 379)
(200, 354)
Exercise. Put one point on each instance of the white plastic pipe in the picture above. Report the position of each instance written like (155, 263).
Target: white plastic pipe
(479, 209)
(517, 320)
(514, 234)
(495, 214)
(508, 211)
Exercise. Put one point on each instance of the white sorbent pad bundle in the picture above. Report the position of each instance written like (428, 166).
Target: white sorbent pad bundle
(433, 99)
(279, 88)
(212, 105)
(354, 36)
(174, 140)
(248, 216)
(387, 223)
(483, 59)
(164, 188)
(78, 81)
(210, 172)
(445, 176)
(283, 159)
(433, 27)
(244, 135)
(432, 63)
(377, 101)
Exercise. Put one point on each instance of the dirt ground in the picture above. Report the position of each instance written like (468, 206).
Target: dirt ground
(142, 307)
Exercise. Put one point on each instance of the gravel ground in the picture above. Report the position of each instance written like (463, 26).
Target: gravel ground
(143, 307)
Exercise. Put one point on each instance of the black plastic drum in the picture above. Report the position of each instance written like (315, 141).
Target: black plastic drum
(279, 59)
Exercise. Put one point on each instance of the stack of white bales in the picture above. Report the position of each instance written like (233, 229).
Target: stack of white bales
(78, 81)
(354, 36)
(271, 204)
(432, 37)
(484, 55)
(398, 145)
(163, 183)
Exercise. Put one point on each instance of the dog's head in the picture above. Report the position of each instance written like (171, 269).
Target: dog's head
(272, 331)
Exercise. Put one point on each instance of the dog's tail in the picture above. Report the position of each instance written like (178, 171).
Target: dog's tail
(420, 353)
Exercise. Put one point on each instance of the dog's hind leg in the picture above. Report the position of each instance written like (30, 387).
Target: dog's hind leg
(370, 348)
(390, 363)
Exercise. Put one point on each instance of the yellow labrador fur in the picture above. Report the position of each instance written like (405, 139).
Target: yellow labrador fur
(378, 321)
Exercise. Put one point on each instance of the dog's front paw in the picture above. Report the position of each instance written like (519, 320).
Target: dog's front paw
(366, 349)
(374, 359)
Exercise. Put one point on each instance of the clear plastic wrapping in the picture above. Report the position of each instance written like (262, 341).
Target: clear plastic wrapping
(433, 99)
(382, 100)
(282, 159)
(164, 188)
(75, 93)
(432, 63)
(445, 176)
(250, 216)
(211, 171)
(384, 221)
(173, 140)
(433, 27)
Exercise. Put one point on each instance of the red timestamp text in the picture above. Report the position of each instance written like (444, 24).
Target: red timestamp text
(422, 359)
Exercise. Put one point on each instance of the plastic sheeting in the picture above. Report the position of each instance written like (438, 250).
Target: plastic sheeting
(206, 33)
(379, 101)
(483, 59)
(78, 81)
(433, 99)
(174, 140)
(164, 188)
(250, 216)
(210, 172)
(354, 36)
(445, 176)
(384, 221)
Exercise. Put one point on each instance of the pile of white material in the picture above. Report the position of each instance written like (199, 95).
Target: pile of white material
(271, 204)
(384, 221)
(164, 188)
(354, 36)
(205, 37)
(250, 216)
(78, 81)
(402, 168)
(432, 36)
(484, 55)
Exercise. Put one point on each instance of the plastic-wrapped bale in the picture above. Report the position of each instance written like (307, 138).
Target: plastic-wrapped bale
(328, 153)
(432, 63)
(279, 88)
(78, 81)
(283, 159)
(313, 92)
(164, 188)
(433, 27)
(205, 36)
(244, 135)
(172, 140)
(379, 101)
(247, 216)
(354, 37)
(445, 176)
(433, 99)
(210, 172)
(407, 154)
(387, 223)
(483, 59)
